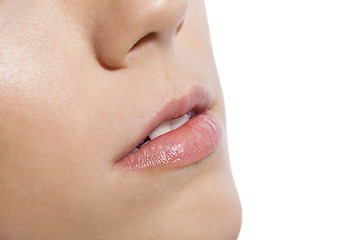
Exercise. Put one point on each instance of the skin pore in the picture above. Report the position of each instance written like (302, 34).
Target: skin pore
(78, 81)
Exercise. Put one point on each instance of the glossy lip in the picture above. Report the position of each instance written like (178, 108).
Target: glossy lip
(184, 146)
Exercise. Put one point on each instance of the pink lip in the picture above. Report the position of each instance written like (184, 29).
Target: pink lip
(184, 146)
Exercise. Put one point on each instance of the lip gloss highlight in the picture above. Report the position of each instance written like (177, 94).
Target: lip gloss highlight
(188, 144)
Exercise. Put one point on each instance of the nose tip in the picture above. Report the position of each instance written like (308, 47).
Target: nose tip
(123, 25)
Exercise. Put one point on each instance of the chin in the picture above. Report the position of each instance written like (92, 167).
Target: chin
(207, 207)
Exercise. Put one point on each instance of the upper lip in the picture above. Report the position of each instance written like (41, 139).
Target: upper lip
(198, 99)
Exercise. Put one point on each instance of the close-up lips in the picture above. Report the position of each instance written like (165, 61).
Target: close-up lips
(183, 132)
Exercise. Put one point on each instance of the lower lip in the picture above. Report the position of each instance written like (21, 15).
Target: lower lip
(190, 143)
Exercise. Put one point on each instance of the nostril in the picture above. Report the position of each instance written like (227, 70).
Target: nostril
(178, 29)
(147, 38)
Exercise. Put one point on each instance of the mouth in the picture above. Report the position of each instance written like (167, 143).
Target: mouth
(180, 134)
(166, 127)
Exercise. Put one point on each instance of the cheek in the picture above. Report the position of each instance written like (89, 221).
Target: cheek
(42, 146)
(52, 123)
(38, 116)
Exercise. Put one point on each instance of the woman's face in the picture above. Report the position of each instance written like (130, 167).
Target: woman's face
(82, 83)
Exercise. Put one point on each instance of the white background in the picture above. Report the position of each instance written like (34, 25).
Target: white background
(290, 72)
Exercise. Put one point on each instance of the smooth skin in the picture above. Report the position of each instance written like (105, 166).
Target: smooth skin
(78, 80)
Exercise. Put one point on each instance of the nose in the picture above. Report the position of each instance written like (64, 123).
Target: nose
(123, 25)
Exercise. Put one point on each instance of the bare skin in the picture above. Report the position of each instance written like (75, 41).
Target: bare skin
(77, 80)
